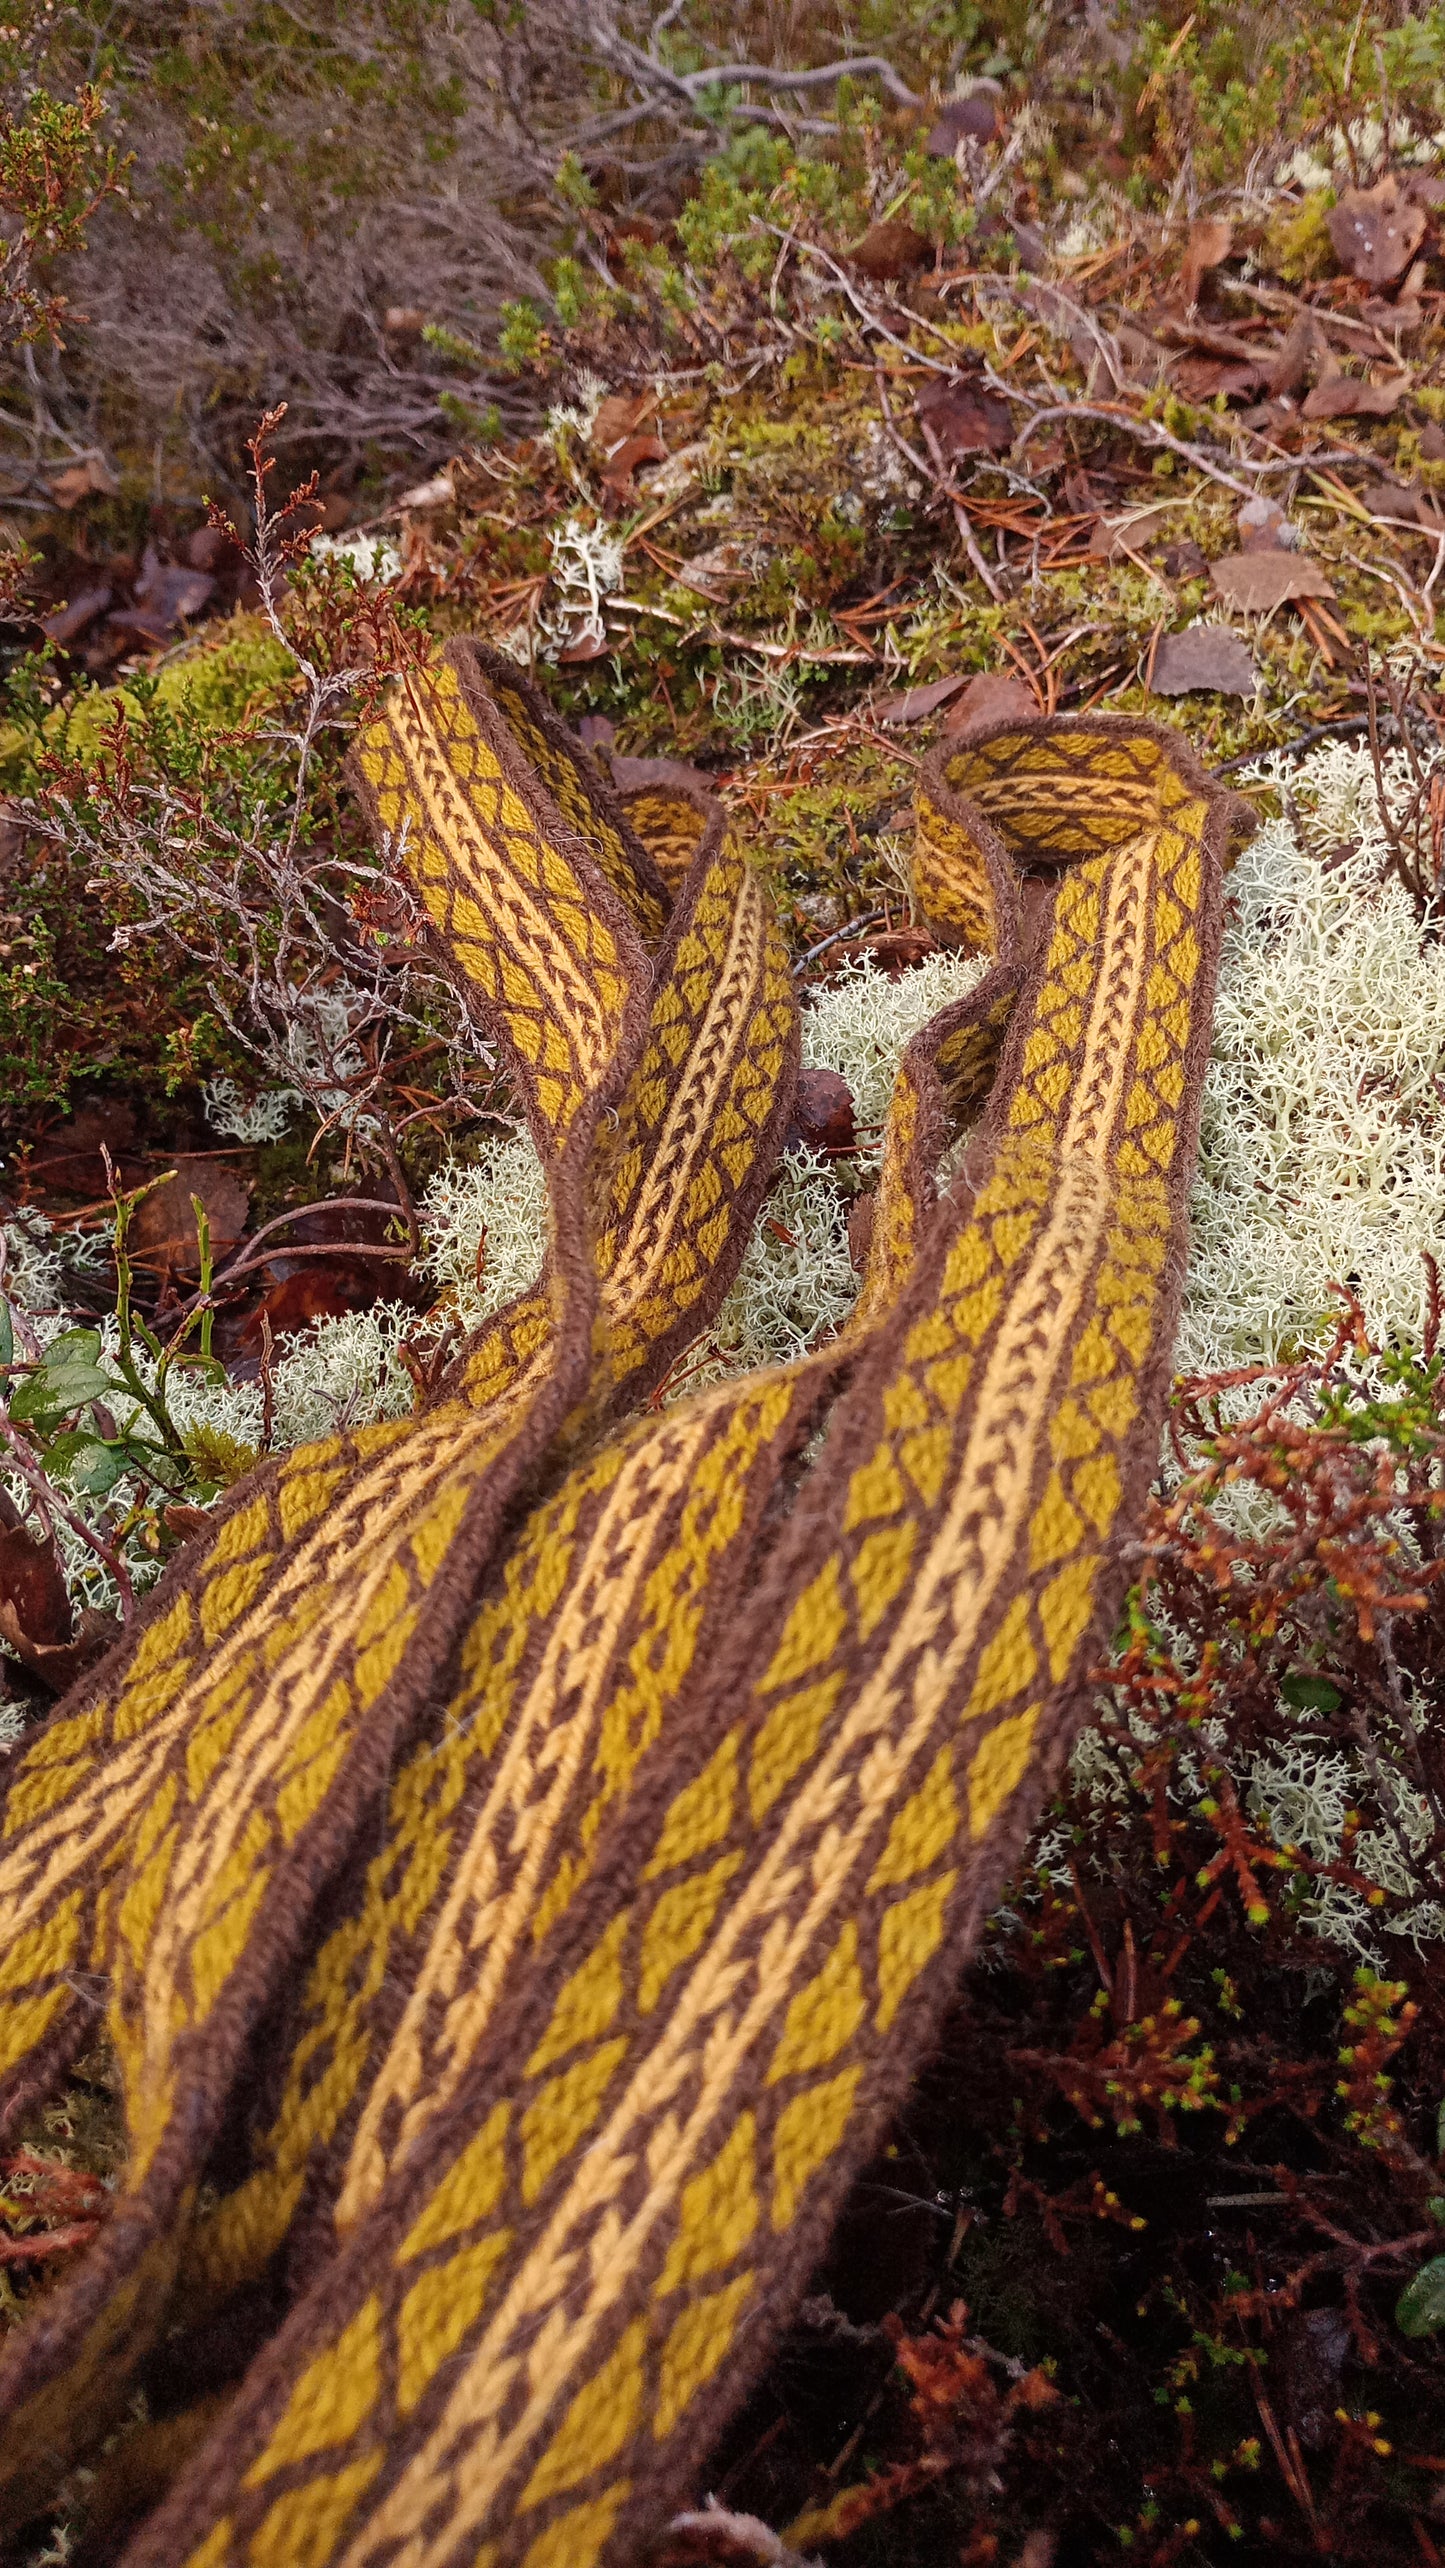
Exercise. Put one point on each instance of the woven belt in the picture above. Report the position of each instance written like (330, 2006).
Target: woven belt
(528, 1846)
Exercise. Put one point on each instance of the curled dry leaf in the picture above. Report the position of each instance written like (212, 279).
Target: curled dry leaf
(890, 250)
(1204, 657)
(644, 775)
(1376, 231)
(977, 116)
(1258, 581)
(822, 1113)
(1211, 239)
(91, 477)
(994, 697)
(1342, 396)
(622, 463)
(163, 1227)
(913, 704)
(619, 415)
(964, 418)
(1201, 378)
(1264, 527)
(68, 622)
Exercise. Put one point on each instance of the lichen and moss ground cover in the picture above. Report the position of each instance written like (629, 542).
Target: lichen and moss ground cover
(1126, 384)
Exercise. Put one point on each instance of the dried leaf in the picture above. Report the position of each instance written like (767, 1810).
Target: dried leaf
(439, 492)
(622, 463)
(890, 250)
(978, 114)
(1258, 581)
(34, 1604)
(1302, 352)
(92, 476)
(1260, 522)
(1345, 396)
(68, 621)
(1376, 232)
(1202, 378)
(644, 775)
(618, 415)
(994, 697)
(1204, 657)
(323, 1288)
(912, 704)
(1211, 239)
(589, 642)
(822, 1116)
(964, 418)
(163, 1227)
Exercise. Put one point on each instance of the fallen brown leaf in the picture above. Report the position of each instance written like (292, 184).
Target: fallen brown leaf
(644, 775)
(993, 697)
(1207, 658)
(1260, 522)
(34, 1603)
(913, 704)
(890, 250)
(163, 1232)
(1258, 581)
(171, 590)
(92, 476)
(1344, 396)
(964, 417)
(977, 115)
(68, 621)
(1302, 352)
(1211, 239)
(1376, 231)
(622, 463)
(822, 1117)
(618, 415)
(1201, 378)
(325, 1288)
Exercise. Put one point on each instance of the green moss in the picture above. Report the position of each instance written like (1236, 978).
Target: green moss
(218, 680)
(1297, 244)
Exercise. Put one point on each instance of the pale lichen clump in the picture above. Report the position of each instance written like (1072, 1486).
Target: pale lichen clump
(1321, 1160)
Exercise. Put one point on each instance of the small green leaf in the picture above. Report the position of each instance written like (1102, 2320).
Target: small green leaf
(1310, 1694)
(88, 1463)
(7, 1333)
(54, 1392)
(1420, 2309)
(73, 1346)
(1436, 2208)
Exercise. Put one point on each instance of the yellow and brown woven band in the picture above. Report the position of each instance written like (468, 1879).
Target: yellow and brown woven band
(722, 1745)
(167, 1837)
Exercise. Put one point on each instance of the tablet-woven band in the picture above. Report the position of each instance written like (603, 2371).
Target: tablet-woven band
(709, 1765)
